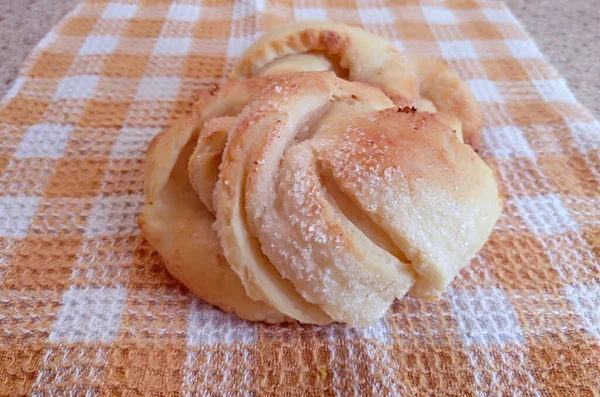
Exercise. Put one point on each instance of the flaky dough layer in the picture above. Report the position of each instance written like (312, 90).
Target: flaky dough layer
(358, 55)
(313, 198)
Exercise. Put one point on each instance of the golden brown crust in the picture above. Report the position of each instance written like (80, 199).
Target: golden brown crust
(361, 56)
(178, 225)
(309, 197)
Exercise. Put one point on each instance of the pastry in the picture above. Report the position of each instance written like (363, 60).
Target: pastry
(358, 55)
(308, 197)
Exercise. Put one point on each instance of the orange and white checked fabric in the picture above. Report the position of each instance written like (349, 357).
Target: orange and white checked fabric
(87, 308)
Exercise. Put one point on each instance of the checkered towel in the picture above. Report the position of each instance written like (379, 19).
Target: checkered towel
(87, 307)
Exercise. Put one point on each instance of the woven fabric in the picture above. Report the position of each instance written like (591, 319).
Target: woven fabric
(87, 307)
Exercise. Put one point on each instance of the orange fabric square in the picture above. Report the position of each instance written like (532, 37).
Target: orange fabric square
(390, 3)
(272, 21)
(203, 67)
(78, 26)
(285, 355)
(518, 261)
(508, 69)
(210, 29)
(144, 28)
(422, 370)
(125, 65)
(180, 108)
(218, 3)
(124, 176)
(164, 66)
(414, 31)
(23, 111)
(18, 365)
(592, 238)
(569, 175)
(43, 263)
(566, 365)
(76, 177)
(148, 269)
(533, 113)
(104, 114)
(51, 65)
(480, 31)
(463, 4)
(135, 367)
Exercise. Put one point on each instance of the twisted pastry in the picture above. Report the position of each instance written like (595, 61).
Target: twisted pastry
(358, 55)
(313, 198)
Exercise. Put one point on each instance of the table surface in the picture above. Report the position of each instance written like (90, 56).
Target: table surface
(567, 35)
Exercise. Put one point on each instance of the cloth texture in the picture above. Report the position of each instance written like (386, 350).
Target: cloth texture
(87, 307)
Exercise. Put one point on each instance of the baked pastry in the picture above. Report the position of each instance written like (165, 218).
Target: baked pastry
(313, 198)
(355, 54)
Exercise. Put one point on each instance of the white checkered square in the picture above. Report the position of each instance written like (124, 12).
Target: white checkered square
(133, 142)
(499, 15)
(77, 87)
(237, 45)
(554, 90)
(184, 12)
(485, 91)
(115, 215)
(523, 49)
(89, 315)
(585, 300)
(310, 14)
(172, 46)
(586, 135)
(47, 40)
(458, 49)
(438, 15)
(99, 45)
(244, 9)
(16, 214)
(209, 326)
(507, 142)
(545, 214)
(158, 89)
(44, 140)
(485, 317)
(119, 11)
(375, 15)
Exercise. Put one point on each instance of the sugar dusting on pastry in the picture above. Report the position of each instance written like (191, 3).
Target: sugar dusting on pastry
(324, 200)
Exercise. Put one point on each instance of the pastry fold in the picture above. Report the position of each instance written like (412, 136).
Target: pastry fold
(357, 55)
(308, 197)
